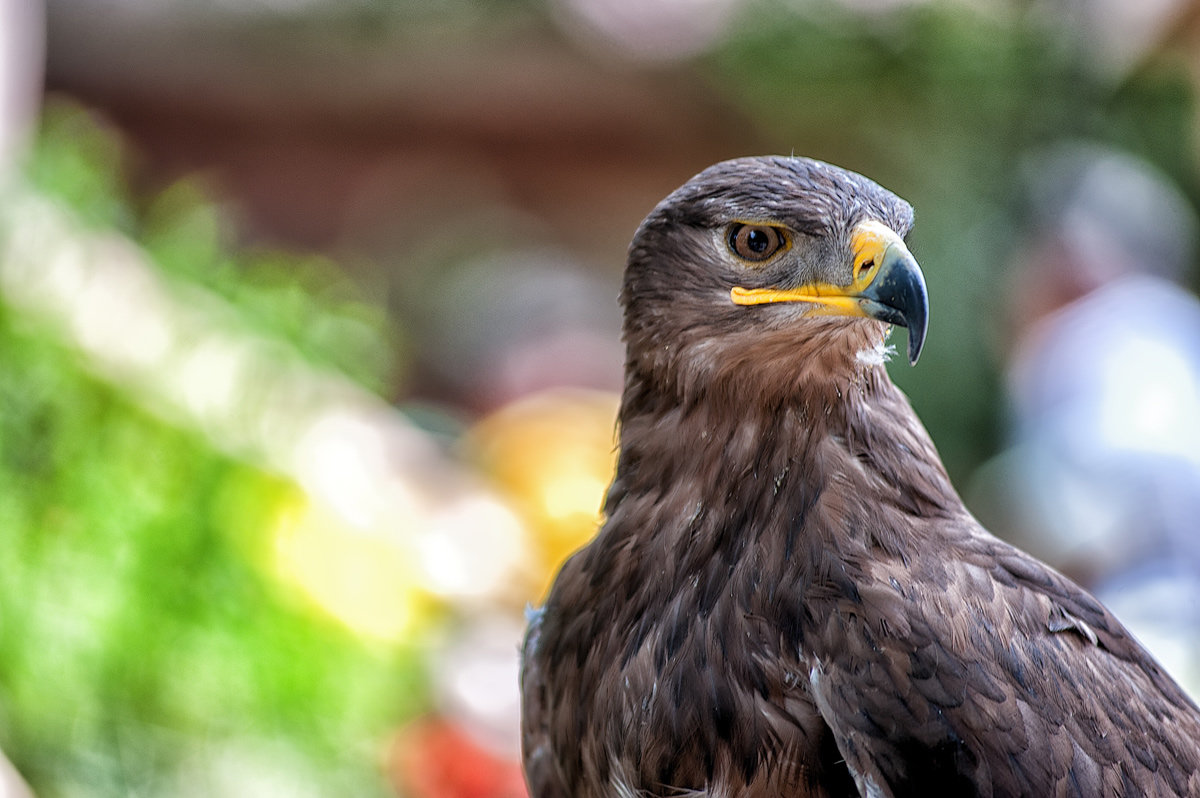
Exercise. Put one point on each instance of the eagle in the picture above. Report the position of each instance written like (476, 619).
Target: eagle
(787, 596)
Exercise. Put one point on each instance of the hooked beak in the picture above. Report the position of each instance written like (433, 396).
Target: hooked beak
(888, 286)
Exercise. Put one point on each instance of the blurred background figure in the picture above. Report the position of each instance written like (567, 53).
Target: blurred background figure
(1103, 477)
(310, 348)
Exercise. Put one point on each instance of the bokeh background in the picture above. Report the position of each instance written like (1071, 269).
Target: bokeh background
(309, 343)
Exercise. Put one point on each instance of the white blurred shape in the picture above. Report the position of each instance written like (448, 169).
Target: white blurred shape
(341, 459)
(472, 547)
(11, 783)
(22, 45)
(1149, 398)
(120, 312)
(477, 678)
(650, 30)
(210, 376)
(1115, 373)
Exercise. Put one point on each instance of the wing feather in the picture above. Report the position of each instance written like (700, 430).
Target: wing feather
(541, 765)
(1039, 690)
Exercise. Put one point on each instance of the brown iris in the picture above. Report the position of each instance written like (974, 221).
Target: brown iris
(755, 242)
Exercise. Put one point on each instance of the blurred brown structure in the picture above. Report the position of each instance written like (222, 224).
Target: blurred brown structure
(329, 140)
(410, 141)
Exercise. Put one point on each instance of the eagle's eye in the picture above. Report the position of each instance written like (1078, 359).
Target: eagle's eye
(755, 242)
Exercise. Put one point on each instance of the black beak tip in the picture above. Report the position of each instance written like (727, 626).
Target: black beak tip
(898, 296)
(915, 344)
(916, 336)
(916, 312)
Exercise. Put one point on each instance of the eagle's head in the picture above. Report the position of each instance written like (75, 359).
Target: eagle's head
(758, 267)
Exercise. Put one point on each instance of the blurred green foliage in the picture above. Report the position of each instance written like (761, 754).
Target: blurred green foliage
(146, 645)
(943, 104)
(303, 300)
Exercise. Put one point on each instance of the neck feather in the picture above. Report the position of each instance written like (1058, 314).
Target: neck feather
(843, 468)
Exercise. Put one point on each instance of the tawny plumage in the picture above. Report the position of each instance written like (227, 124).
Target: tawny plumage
(787, 597)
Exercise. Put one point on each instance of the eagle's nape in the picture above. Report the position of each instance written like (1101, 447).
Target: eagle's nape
(788, 597)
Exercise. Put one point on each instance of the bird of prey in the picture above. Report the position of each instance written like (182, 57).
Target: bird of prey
(787, 597)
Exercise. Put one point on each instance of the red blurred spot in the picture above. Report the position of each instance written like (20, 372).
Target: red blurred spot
(435, 759)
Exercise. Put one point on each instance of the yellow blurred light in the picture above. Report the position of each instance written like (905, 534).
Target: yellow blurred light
(366, 580)
(573, 498)
(553, 454)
